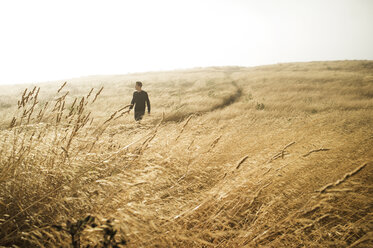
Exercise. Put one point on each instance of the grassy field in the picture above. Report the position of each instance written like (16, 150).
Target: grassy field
(269, 156)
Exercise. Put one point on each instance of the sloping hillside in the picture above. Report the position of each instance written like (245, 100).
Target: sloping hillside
(269, 156)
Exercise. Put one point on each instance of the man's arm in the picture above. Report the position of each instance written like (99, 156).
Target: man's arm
(148, 102)
(133, 100)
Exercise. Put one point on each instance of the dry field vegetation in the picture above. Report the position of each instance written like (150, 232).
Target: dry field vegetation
(269, 156)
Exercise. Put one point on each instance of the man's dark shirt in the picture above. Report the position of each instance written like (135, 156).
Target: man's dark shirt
(139, 98)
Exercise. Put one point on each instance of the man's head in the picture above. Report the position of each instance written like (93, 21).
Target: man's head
(138, 85)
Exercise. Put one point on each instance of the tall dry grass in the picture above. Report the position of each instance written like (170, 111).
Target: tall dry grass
(272, 156)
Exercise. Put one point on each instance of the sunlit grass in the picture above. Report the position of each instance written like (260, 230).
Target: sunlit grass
(210, 167)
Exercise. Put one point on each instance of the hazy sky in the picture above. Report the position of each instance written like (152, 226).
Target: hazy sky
(43, 40)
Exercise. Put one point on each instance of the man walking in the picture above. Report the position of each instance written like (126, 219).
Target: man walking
(139, 98)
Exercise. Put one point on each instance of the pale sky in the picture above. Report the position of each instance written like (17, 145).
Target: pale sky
(47, 40)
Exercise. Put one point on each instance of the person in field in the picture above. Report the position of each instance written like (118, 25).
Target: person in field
(138, 100)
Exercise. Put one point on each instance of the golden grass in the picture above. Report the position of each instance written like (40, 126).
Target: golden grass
(269, 156)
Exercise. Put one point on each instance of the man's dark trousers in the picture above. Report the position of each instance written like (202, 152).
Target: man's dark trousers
(139, 115)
